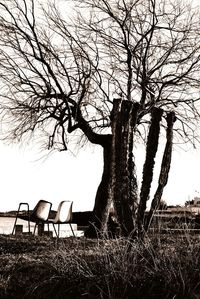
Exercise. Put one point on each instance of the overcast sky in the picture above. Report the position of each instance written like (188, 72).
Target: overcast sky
(28, 175)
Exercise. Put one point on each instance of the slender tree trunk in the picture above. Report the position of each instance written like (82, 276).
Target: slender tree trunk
(151, 149)
(132, 177)
(102, 204)
(165, 167)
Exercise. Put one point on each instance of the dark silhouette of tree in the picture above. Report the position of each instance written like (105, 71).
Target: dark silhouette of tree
(107, 74)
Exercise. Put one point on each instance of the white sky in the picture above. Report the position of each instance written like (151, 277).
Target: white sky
(184, 178)
(61, 176)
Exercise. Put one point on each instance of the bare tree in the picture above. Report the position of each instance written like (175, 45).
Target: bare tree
(62, 77)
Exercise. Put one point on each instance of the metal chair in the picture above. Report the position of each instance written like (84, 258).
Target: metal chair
(63, 216)
(39, 214)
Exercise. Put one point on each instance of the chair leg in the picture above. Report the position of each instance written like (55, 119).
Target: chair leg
(34, 229)
(72, 230)
(14, 224)
(55, 230)
(29, 225)
(17, 215)
(58, 230)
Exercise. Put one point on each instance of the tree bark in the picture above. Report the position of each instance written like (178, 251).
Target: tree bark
(165, 167)
(151, 149)
(98, 224)
(122, 166)
(132, 177)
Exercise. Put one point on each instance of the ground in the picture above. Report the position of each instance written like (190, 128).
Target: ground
(161, 266)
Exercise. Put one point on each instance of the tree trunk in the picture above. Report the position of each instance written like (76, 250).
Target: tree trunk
(122, 166)
(98, 224)
(118, 184)
(151, 149)
(132, 177)
(165, 167)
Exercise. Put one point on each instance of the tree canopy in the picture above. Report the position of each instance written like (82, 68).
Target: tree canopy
(61, 71)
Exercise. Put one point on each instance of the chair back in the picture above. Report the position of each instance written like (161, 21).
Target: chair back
(64, 212)
(41, 210)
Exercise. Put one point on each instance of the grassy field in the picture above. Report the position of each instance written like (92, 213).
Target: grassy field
(162, 266)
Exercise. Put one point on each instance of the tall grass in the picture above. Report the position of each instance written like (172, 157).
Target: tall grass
(159, 267)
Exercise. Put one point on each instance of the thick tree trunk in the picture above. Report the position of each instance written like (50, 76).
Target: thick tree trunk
(151, 149)
(122, 166)
(118, 185)
(165, 167)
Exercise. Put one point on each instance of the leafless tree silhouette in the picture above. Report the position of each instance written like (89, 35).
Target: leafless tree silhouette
(105, 73)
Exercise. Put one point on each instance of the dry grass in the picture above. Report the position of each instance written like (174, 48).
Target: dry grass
(160, 267)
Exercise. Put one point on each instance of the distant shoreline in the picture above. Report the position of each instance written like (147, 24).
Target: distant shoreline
(8, 214)
(80, 218)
